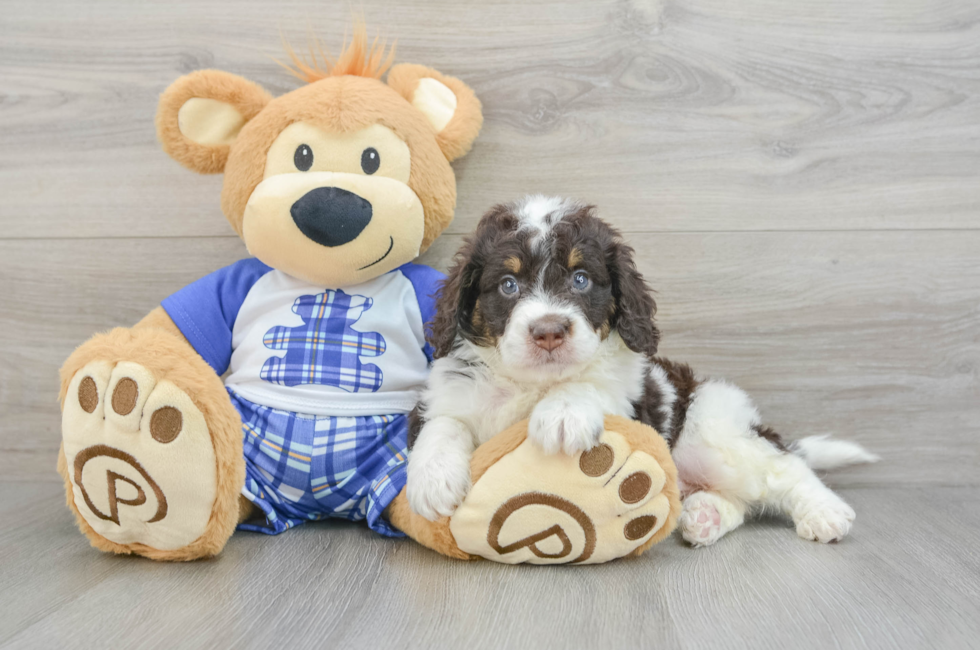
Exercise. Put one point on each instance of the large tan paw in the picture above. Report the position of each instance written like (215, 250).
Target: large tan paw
(611, 501)
(138, 456)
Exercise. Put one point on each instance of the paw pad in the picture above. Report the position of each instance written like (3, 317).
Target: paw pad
(125, 396)
(88, 395)
(165, 424)
(635, 487)
(597, 461)
(140, 459)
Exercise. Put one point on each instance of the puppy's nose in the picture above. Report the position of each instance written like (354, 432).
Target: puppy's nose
(549, 332)
(331, 216)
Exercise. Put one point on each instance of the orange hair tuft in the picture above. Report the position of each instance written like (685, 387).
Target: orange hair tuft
(357, 58)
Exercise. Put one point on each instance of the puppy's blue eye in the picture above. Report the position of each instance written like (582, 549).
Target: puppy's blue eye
(509, 286)
(581, 281)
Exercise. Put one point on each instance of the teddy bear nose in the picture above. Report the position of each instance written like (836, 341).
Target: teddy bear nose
(331, 216)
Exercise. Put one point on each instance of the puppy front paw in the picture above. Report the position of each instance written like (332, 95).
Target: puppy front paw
(437, 484)
(564, 426)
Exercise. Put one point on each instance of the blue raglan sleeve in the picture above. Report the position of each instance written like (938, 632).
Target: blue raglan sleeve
(205, 311)
(426, 281)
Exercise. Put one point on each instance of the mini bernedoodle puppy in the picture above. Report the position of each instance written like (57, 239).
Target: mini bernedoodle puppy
(545, 316)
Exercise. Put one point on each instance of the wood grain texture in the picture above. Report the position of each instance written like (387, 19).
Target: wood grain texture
(802, 185)
(674, 116)
(873, 338)
(907, 577)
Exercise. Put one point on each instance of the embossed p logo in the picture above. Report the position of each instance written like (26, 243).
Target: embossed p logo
(112, 481)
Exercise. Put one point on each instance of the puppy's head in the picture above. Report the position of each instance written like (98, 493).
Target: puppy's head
(544, 282)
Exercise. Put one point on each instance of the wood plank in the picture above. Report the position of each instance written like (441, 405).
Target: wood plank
(871, 336)
(684, 116)
(888, 585)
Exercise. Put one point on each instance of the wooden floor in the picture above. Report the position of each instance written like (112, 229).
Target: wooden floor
(802, 183)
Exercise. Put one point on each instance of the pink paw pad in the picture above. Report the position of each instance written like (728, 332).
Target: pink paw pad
(700, 522)
(708, 513)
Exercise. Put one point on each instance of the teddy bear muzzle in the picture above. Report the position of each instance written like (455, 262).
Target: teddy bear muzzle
(334, 229)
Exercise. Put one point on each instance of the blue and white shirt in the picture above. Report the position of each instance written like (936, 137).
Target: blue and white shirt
(289, 345)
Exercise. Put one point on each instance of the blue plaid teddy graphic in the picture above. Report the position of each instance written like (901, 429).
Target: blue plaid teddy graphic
(326, 349)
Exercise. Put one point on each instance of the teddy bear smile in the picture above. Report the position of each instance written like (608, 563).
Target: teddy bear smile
(391, 244)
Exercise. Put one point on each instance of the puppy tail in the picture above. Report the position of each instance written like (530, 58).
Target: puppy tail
(823, 452)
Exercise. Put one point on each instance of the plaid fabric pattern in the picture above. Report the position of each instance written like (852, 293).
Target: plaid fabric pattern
(326, 349)
(302, 468)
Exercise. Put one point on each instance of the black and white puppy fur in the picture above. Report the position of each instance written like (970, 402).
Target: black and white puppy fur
(545, 316)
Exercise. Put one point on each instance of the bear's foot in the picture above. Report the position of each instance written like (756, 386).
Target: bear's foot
(617, 499)
(140, 464)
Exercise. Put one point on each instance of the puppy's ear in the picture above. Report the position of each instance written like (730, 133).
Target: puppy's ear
(457, 299)
(635, 307)
(448, 104)
(200, 115)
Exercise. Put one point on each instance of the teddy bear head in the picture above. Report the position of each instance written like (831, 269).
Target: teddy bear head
(338, 181)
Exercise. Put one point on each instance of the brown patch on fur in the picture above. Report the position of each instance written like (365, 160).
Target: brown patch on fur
(605, 330)
(685, 382)
(485, 336)
(574, 258)
(513, 264)
(460, 291)
(153, 344)
(769, 434)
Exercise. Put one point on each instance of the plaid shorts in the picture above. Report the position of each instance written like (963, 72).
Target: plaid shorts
(301, 468)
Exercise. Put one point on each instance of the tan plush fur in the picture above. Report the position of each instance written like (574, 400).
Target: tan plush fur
(345, 104)
(246, 97)
(154, 345)
(457, 137)
(358, 58)
(346, 97)
(341, 101)
(437, 536)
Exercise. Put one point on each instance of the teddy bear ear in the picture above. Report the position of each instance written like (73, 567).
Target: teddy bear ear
(450, 106)
(200, 115)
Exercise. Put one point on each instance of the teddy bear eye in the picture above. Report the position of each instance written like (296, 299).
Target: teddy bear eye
(303, 158)
(370, 160)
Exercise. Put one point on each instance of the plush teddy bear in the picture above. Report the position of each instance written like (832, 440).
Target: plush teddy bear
(335, 188)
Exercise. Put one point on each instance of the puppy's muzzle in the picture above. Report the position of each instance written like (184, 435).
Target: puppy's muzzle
(331, 216)
(549, 332)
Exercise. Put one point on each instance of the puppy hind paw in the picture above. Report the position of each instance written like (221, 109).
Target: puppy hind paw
(706, 518)
(826, 523)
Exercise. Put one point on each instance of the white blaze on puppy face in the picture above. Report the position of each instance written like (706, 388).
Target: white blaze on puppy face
(540, 213)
